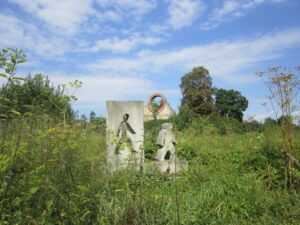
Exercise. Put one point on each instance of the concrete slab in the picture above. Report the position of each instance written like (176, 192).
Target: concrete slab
(125, 134)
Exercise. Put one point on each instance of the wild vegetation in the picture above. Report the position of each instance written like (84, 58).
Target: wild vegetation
(52, 166)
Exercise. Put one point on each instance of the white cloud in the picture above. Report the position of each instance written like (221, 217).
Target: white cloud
(11, 31)
(17, 34)
(66, 15)
(123, 45)
(136, 7)
(68, 18)
(129, 11)
(111, 15)
(96, 89)
(184, 12)
(226, 59)
(232, 9)
(99, 88)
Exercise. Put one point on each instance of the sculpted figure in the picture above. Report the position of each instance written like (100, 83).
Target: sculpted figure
(166, 144)
(123, 137)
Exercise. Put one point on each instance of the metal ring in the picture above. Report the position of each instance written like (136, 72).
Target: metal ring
(161, 106)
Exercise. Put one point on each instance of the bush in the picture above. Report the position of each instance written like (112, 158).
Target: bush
(185, 151)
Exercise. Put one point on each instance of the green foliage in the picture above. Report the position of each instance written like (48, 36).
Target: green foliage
(31, 95)
(155, 105)
(9, 60)
(184, 119)
(36, 95)
(150, 148)
(96, 123)
(212, 124)
(227, 125)
(57, 175)
(197, 91)
(186, 151)
(92, 116)
(230, 103)
(254, 125)
(269, 124)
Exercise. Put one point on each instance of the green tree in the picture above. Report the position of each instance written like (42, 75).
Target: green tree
(32, 95)
(35, 94)
(270, 123)
(92, 116)
(231, 103)
(197, 91)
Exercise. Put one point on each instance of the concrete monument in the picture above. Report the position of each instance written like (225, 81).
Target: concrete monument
(125, 134)
(166, 159)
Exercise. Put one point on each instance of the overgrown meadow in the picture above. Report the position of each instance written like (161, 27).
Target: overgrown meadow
(53, 171)
(52, 174)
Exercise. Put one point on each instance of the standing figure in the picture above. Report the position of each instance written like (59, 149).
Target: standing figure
(123, 137)
(166, 144)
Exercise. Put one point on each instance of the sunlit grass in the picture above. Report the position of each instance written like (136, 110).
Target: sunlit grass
(59, 176)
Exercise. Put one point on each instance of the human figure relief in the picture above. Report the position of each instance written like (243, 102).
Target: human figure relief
(123, 137)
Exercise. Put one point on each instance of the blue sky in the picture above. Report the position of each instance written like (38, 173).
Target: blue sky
(128, 49)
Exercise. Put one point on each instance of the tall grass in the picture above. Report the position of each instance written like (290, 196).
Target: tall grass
(56, 174)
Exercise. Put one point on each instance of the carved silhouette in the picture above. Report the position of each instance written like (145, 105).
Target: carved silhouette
(123, 136)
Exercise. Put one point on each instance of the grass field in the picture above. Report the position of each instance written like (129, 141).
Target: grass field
(51, 174)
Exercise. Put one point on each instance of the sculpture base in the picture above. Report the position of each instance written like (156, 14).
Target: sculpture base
(170, 167)
(118, 167)
(124, 161)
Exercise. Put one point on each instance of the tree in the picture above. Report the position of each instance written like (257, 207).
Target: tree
(231, 103)
(92, 116)
(32, 95)
(197, 91)
(37, 95)
(83, 120)
(270, 122)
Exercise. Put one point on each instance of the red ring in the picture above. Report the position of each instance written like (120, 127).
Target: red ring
(162, 105)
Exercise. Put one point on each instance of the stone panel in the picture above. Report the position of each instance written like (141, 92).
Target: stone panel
(125, 134)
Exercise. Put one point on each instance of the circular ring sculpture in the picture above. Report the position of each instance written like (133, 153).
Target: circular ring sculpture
(162, 104)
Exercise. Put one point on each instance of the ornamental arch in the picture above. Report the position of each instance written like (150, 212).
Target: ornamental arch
(164, 110)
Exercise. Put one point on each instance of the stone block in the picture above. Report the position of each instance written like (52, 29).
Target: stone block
(168, 166)
(125, 134)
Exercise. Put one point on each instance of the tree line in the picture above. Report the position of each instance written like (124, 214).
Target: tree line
(201, 98)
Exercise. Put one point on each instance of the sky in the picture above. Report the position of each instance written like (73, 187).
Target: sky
(129, 49)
